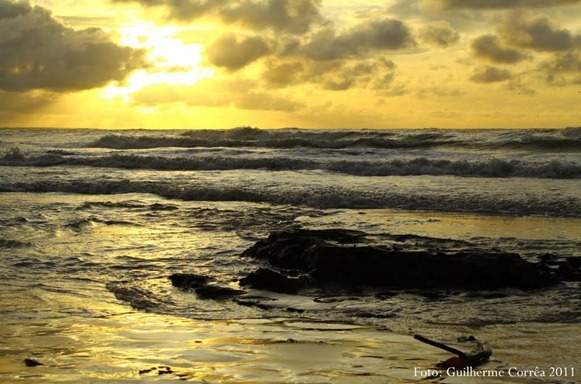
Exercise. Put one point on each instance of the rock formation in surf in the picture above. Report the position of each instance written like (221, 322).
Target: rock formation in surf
(341, 257)
(325, 260)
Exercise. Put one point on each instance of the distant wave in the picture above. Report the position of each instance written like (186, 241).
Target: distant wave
(490, 167)
(9, 243)
(322, 197)
(557, 140)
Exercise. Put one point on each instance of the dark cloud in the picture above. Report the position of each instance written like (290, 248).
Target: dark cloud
(376, 73)
(539, 34)
(502, 4)
(293, 16)
(569, 62)
(284, 74)
(25, 102)
(490, 74)
(439, 33)
(234, 53)
(379, 35)
(373, 73)
(488, 47)
(38, 52)
(519, 37)
(563, 69)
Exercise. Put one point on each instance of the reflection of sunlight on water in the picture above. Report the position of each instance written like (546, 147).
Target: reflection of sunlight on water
(139, 346)
(456, 226)
(72, 323)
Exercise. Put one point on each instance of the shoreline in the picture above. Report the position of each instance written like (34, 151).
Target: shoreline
(59, 312)
(162, 348)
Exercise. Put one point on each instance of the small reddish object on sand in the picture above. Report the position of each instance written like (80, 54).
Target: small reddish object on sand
(456, 362)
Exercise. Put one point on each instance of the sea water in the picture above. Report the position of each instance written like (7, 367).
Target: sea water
(93, 222)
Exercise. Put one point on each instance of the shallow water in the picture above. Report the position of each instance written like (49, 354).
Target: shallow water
(86, 251)
(85, 292)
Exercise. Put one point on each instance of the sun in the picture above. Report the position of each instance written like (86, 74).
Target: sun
(171, 60)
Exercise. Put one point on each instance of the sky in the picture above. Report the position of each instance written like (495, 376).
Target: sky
(290, 63)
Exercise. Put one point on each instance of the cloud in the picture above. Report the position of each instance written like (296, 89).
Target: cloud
(283, 74)
(563, 69)
(181, 9)
(293, 16)
(488, 47)
(502, 4)
(333, 60)
(569, 62)
(234, 53)
(25, 102)
(406, 8)
(265, 101)
(39, 52)
(375, 73)
(379, 35)
(538, 34)
(520, 37)
(488, 74)
(439, 33)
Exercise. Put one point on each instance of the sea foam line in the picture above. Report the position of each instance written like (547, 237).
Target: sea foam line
(490, 167)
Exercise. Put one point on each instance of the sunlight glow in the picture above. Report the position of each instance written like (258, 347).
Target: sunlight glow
(172, 61)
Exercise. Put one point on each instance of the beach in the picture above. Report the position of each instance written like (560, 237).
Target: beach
(95, 222)
(139, 347)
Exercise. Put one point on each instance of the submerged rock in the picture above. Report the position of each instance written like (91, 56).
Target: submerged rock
(31, 362)
(266, 278)
(216, 292)
(188, 280)
(323, 256)
(200, 284)
(567, 269)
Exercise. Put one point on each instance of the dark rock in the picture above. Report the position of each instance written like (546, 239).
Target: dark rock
(266, 278)
(255, 304)
(568, 269)
(289, 252)
(215, 292)
(575, 262)
(200, 284)
(568, 272)
(31, 362)
(329, 261)
(161, 370)
(548, 258)
(188, 280)
(164, 370)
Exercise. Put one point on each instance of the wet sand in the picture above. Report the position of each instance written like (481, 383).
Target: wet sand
(143, 347)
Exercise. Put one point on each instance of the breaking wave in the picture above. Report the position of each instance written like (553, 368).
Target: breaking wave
(548, 139)
(489, 167)
(322, 197)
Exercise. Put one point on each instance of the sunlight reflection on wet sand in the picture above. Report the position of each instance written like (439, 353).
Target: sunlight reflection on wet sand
(153, 348)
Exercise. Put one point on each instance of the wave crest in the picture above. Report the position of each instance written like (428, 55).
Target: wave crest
(490, 167)
(321, 197)
(559, 140)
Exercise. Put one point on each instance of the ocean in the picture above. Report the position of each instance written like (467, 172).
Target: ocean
(95, 221)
